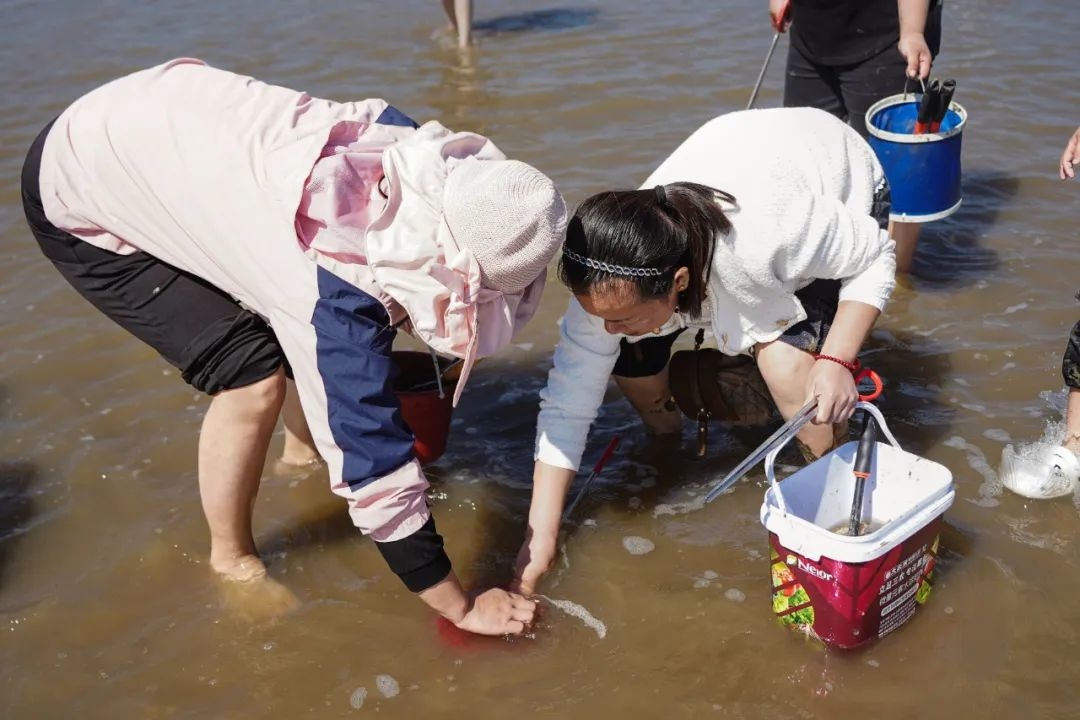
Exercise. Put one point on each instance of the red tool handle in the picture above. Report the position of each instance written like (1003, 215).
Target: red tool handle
(948, 88)
(868, 374)
(606, 456)
(779, 23)
(928, 107)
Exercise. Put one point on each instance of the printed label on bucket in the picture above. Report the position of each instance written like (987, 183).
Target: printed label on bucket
(848, 604)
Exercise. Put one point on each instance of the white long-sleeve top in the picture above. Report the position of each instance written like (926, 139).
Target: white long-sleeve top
(804, 183)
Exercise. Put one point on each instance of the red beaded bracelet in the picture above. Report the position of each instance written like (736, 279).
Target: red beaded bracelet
(853, 367)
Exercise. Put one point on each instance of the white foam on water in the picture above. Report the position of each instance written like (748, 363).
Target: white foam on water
(701, 583)
(997, 435)
(387, 685)
(710, 575)
(991, 487)
(680, 508)
(638, 545)
(356, 700)
(735, 595)
(578, 611)
(1018, 462)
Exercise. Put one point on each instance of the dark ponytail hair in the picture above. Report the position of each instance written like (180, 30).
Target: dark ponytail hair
(643, 237)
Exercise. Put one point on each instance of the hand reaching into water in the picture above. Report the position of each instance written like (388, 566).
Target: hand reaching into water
(534, 560)
(498, 612)
(1070, 157)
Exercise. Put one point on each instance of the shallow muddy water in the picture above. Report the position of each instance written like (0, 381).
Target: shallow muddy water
(659, 607)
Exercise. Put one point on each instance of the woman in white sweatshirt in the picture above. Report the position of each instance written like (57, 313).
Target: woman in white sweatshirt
(764, 228)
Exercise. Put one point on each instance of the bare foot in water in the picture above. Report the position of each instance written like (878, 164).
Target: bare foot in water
(252, 595)
(297, 465)
(242, 569)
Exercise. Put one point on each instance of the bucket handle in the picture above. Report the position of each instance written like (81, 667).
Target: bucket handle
(438, 372)
(770, 459)
(907, 80)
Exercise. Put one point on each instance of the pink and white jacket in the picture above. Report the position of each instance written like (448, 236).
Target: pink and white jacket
(322, 217)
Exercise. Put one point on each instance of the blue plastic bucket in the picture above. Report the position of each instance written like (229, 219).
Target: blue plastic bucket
(923, 170)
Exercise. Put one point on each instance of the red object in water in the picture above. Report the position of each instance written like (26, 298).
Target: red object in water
(452, 635)
(426, 414)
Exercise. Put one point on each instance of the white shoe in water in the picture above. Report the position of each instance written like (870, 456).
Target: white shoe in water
(1048, 472)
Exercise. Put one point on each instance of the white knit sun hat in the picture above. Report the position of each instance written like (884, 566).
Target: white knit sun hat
(509, 215)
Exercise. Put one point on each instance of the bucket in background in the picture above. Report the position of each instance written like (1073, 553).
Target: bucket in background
(846, 590)
(923, 170)
(425, 413)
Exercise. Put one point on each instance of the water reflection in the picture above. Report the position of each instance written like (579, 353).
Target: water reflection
(460, 97)
(16, 509)
(541, 20)
(952, 252)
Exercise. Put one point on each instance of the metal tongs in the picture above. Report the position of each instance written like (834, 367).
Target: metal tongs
(785, 432)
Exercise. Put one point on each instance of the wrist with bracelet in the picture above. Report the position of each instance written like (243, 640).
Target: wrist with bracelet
(852, 367)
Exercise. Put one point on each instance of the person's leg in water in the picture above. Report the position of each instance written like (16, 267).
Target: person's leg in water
(641, 373)
(906, 236)
(651, 397)
(299, 450)
(1072, 421)
(219, 347)
(460, 14)
(233, 443)
(785, 369)
(785, 364)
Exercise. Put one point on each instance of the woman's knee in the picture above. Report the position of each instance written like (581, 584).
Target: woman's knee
(651, 397)
(785, 369)
(265, 396)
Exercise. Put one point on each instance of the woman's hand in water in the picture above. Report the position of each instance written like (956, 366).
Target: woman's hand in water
(498, 612)
(834, 387)
(534, 560)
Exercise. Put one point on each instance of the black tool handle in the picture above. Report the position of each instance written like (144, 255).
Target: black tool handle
(928, 104)
(864, 460)
(948, 88)
(864, 456)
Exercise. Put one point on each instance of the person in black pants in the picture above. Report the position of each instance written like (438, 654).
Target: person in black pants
(845, 55)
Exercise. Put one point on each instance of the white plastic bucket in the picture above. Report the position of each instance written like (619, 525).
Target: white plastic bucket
(849, 590)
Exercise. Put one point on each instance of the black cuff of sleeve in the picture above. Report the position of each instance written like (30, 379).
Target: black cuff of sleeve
(419, 559)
